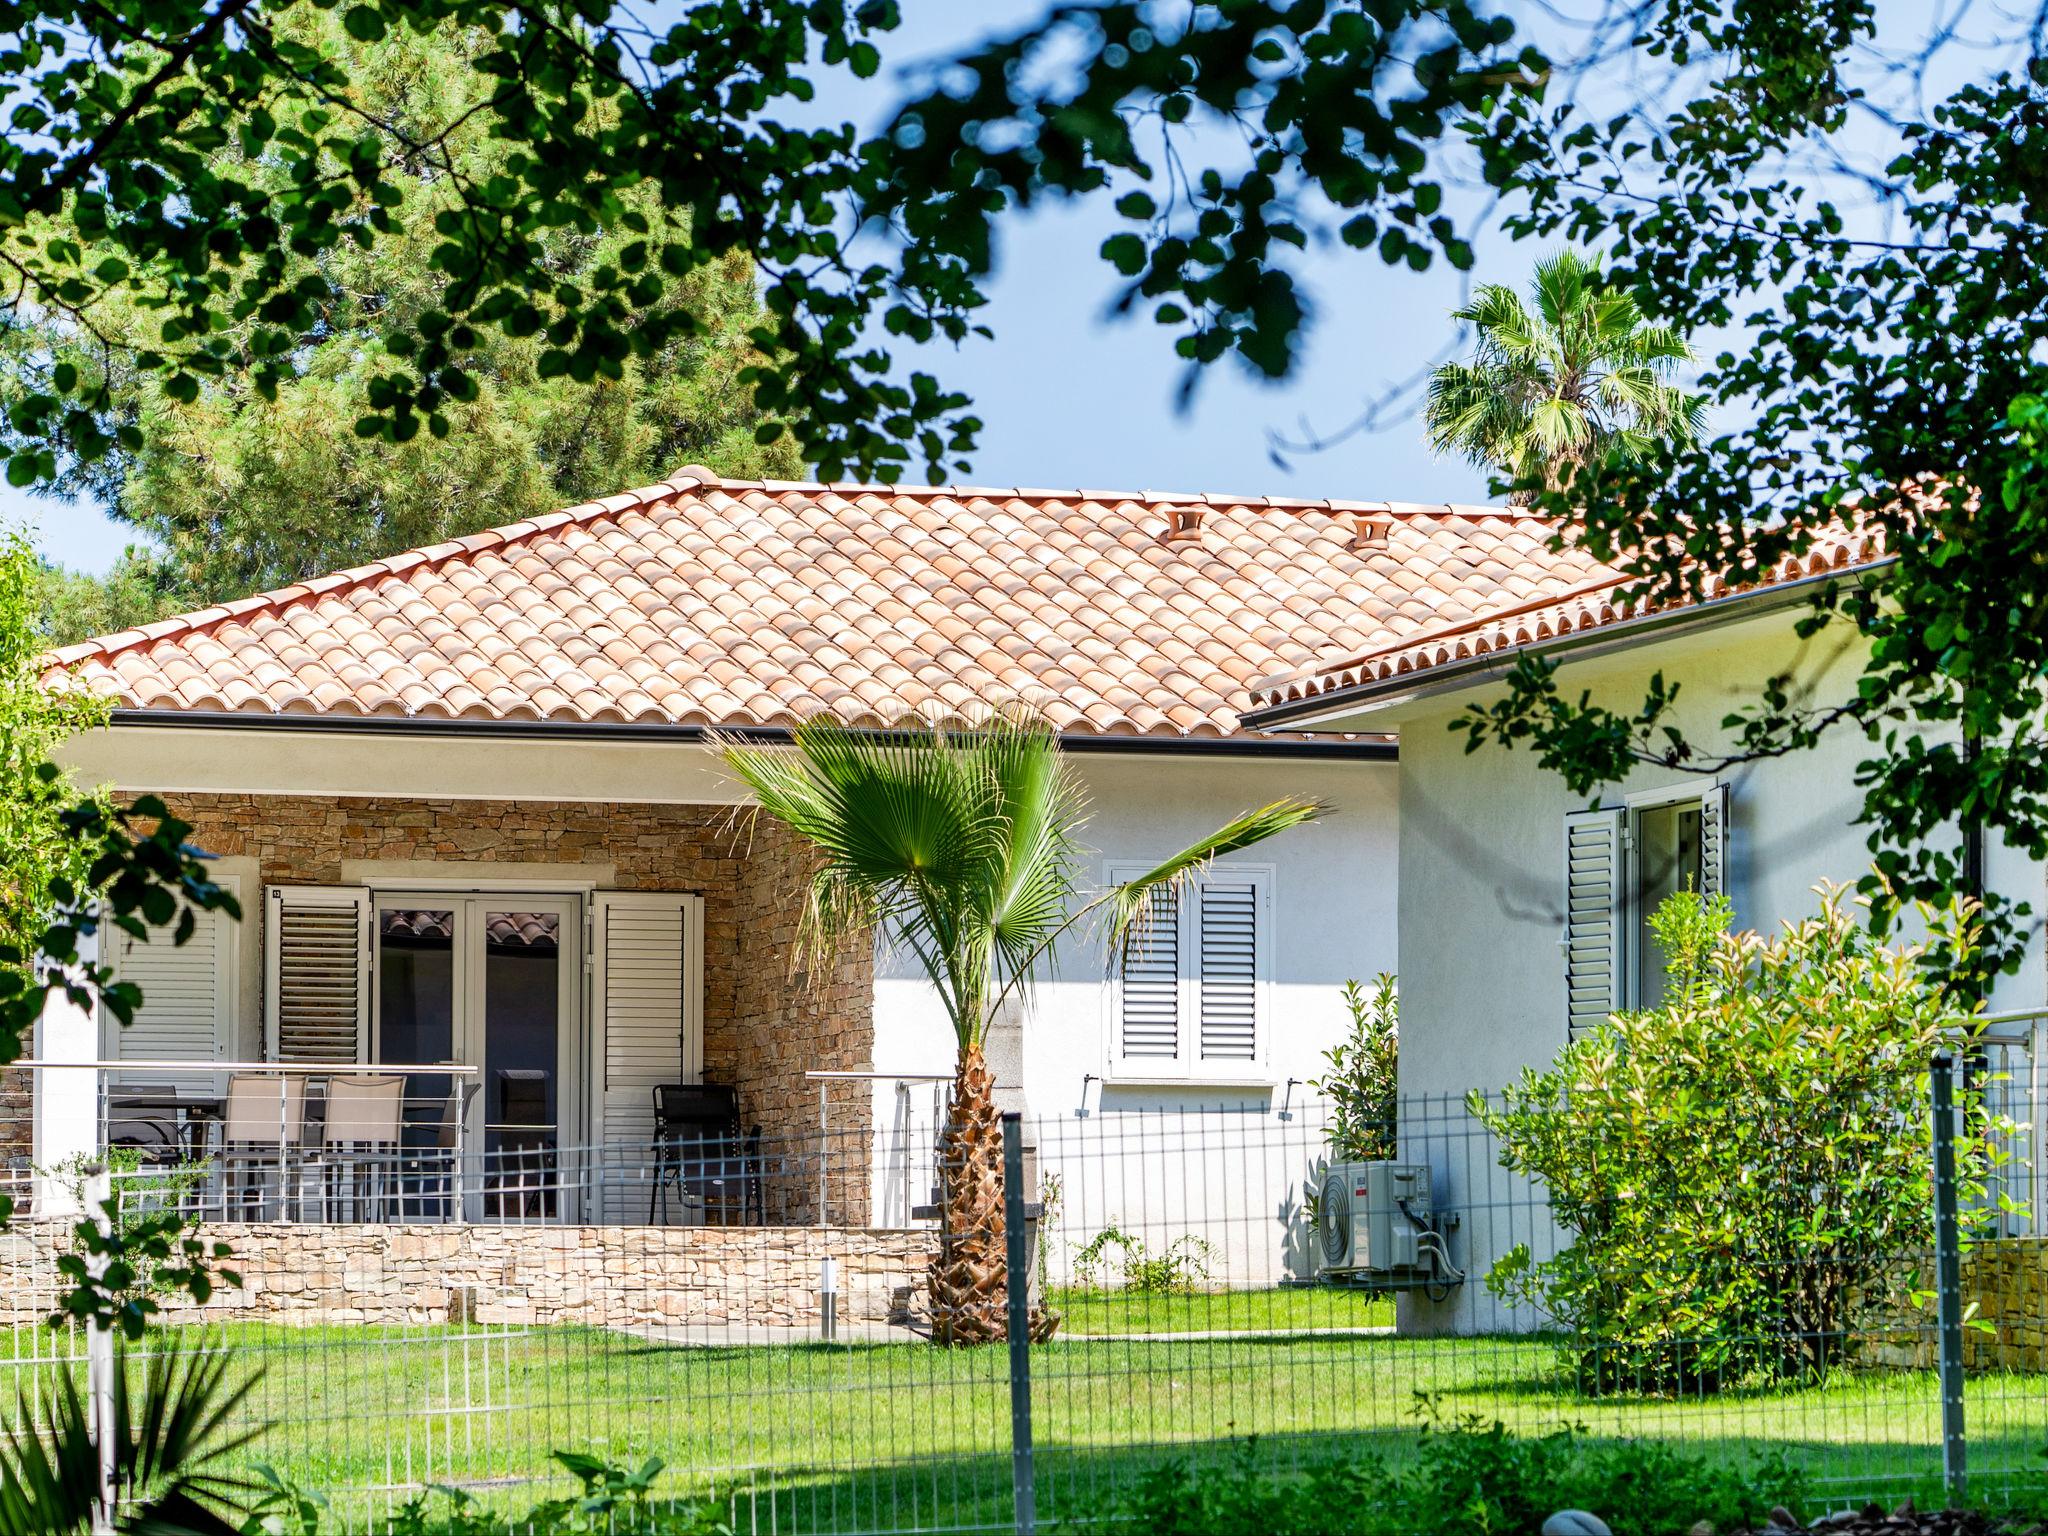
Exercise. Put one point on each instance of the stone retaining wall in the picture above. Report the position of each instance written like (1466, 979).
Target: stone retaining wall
(599, 1276)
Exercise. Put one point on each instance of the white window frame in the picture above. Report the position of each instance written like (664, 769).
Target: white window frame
(1187, 1065)
(1692, 791)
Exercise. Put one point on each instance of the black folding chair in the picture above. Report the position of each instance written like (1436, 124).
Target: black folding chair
(698, 1149)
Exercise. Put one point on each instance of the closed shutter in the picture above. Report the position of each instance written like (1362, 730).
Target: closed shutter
(1149, 1004)
(647, 977)
(187, 1013)
(1714, 841)
(316, 973)
(1227, 936)
(1595, 915)
(1190, 994)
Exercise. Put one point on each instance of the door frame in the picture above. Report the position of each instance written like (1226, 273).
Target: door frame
(471, 901)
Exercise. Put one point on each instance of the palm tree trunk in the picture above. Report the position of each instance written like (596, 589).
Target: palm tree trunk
(969, 1281)
(966, 1285)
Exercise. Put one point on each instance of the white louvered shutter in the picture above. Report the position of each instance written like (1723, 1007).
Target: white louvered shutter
(647, 978)
(1714, 841)
(1596, 912)
(316, 973)
(1149, 1024)
(1227, 969)
(189, 991)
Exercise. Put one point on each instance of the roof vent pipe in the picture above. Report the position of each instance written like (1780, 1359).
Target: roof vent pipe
(1184, 525)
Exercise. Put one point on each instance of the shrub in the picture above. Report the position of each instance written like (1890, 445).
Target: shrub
(1362, 1077)
(1743, 1173)
(1182, 1267)
(1467, 1476)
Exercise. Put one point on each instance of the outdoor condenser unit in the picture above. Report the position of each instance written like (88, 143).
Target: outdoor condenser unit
(1374, 1219)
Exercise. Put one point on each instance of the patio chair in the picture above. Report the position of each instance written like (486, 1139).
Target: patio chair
(263, 1123)
(360, 1142)
(699, 1151)
(142, 1117)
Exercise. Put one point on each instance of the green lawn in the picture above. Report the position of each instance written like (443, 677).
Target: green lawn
(904, 1436)
(1286, 1308)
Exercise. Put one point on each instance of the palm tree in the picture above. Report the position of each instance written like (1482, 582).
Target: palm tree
(1551, 390)
(958, 842)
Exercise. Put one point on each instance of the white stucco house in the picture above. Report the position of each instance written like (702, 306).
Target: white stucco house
(468, 801)
(1522, 908)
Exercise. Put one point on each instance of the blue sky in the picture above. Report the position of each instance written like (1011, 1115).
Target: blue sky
(1072, 397)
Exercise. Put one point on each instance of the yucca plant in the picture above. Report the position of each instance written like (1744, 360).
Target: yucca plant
(958, 843)
(171, 1444)
(1558, 385)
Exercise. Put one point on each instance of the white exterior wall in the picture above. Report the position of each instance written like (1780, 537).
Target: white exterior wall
(1229, 1160)
(1482, 901)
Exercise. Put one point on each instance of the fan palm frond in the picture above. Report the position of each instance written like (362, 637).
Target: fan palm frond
(1561, 380)
(172, 1441)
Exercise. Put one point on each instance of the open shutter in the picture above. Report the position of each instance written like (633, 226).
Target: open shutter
(187, 1012)
(316, 973)
(1714, 841)
(1149, 993)
(1595, 912)
(1227, 923)
(647, 977)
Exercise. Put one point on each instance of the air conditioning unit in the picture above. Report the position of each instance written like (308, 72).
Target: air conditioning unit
(1373, 1218)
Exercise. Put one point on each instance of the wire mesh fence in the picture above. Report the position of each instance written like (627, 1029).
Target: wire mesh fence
(1232, 1288)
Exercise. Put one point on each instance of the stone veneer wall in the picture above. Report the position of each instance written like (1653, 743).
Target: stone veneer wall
(2005, 1306)
(764, 1024)
(618, 1277)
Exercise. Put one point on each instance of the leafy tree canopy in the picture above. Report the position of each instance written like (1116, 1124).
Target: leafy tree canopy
(206, 164)
(240, 492)
(1884, 321)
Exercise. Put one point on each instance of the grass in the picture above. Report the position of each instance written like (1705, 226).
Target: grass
(822, 1438)
(1282, 1309)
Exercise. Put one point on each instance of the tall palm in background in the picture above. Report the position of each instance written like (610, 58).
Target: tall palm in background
(1555, 387)
(958, 843)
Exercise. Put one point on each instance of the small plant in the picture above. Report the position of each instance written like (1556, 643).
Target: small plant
(1051, 1192)
(1182, 1267)
(615, 1499)
(1362, 1081)
(288, 1508)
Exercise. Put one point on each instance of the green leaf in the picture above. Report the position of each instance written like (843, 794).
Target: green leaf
(364, 23)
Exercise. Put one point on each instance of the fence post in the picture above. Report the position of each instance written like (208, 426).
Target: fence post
(1017, 1276)
(1948, 1279)
(99, 1354)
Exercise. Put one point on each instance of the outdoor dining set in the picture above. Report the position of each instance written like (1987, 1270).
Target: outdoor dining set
(360, 1147)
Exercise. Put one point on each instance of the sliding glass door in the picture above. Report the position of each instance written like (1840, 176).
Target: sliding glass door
(491, 982)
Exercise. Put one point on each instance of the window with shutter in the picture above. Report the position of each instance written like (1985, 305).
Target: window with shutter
(189, 990)
(316, 973)
(1621, 864)
(648, 981)
(1188, 1000)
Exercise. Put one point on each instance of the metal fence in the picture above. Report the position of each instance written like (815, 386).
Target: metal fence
(1208, 1314)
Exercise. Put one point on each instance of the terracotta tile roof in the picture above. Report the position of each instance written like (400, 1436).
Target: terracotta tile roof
(715, 602)
(1593, 601)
